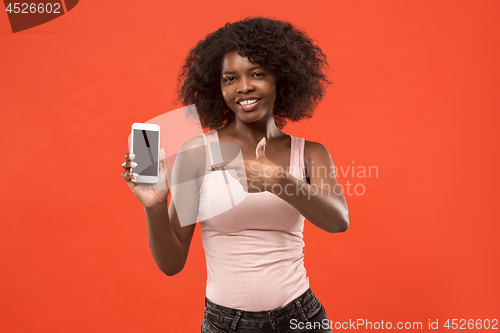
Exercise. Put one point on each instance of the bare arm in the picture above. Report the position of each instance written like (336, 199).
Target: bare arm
(168, 241)
(321, 202)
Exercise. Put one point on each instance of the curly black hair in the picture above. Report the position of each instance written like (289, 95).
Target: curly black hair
(278, 47)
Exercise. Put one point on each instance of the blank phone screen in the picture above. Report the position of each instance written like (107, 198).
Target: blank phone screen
(146, 152)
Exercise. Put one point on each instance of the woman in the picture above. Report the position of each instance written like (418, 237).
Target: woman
(247, 79)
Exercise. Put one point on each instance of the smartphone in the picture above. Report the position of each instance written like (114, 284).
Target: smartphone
(145, 144)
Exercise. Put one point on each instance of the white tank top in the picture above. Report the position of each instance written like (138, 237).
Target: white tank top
(253, 249)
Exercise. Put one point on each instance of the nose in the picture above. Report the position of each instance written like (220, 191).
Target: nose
(244, 86)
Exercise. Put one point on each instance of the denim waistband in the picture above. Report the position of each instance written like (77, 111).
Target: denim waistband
(302, 308)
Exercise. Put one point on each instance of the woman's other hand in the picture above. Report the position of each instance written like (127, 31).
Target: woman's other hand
(257, 175)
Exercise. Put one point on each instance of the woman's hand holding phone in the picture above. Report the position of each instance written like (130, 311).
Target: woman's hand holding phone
(148, 194)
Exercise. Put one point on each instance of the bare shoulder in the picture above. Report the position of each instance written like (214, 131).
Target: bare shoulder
(315, 151)
(190, 160)
(192, 143)
(318, 163)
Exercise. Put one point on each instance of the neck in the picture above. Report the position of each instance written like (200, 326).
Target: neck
(264, 128)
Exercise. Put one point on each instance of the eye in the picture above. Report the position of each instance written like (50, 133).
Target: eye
(229, 79)
(258, 74)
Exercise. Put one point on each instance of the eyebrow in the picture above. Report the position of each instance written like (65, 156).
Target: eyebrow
(249, 70)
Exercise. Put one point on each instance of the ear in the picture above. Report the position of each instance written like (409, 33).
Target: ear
(260, 151)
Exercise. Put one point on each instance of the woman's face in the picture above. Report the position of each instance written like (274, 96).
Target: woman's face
(248, 89)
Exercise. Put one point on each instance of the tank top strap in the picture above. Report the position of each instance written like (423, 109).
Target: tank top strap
(297, 158)
(212, 148)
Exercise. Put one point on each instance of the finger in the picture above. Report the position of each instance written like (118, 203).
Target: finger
(260, 151)
(163, 164)
(129, 156)
(219, 166)
(162, 154)
(128, 176)
(128, 165)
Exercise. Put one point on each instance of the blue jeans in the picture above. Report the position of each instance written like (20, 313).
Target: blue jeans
(303, 314)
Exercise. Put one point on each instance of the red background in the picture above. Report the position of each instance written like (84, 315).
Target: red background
(416, 94)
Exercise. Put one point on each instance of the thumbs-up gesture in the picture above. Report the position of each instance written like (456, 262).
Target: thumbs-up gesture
(257, 175)
(260, 174)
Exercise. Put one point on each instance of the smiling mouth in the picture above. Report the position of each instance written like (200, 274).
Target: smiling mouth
(248, 102)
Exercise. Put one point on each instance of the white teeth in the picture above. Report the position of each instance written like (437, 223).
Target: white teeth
(248, 102)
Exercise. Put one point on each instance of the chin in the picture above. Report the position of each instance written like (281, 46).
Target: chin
(252, 118)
